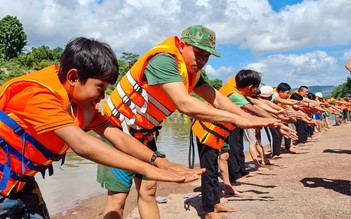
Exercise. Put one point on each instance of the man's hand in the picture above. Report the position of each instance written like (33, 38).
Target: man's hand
(158, 174)
(189, 174)
(287, 132)
(255, 122)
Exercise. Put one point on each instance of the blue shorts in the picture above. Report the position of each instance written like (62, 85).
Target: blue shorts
(317, 116)
(119, 180)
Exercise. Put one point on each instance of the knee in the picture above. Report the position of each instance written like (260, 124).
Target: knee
(148, 192)
(224, 157)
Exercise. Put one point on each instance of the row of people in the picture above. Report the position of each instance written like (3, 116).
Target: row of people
(45, 113)
(300, 110)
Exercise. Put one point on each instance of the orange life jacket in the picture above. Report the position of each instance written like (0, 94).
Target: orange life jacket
(22, 154)
(136, 105)
(215, 134)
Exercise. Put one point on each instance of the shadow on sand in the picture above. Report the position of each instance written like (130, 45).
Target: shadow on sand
(337, 151)
(338, 185)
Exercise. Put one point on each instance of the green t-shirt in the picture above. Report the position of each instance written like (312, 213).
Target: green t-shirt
(239, 99)
(162, 69)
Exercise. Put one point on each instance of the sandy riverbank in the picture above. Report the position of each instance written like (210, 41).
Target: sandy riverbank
(315, 183)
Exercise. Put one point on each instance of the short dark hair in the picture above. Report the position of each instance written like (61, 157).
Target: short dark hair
(91, 58)
(296, 96)
(283, 87)
(302, 87)
(311, 96)
(247, 77)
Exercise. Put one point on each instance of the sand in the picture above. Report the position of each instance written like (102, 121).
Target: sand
(314, 183)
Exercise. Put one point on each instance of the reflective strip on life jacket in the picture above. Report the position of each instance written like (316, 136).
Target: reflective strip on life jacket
(144, 106)
(138, 89)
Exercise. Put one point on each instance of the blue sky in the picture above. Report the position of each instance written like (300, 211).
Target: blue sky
(297, 42)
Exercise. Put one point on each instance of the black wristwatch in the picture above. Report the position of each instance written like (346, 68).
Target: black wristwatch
(156, 155)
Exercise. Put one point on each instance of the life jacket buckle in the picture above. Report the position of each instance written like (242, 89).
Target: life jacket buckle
(19, 130)
(39, 168)
(24, 178)
(2, 142)
(56, 157)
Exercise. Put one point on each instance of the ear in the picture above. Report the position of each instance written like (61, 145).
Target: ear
(72, 76)
(181, 46)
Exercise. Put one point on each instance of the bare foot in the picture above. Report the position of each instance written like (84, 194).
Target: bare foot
(242, 180)
(230, 191)
(285, 155)
(223, 208)
(268, 162)
(261, 168)
(292, 151)
(238, 194)
(223, 201)
(250, 175)
(214, 215)
(275, 157)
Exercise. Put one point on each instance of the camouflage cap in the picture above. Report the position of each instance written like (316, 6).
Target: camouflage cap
(201, 37)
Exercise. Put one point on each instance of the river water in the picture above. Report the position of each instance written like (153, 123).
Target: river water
(76, 179)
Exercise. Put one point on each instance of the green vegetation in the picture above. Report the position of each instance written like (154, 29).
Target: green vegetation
(343, 89)
(12, 37)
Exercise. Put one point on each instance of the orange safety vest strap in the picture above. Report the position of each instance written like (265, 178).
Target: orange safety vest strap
(208, 134)
(211, 131)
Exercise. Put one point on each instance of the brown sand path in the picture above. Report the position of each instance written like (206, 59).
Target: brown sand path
(315, 183)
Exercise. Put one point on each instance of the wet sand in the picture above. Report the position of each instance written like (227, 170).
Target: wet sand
(314, 183)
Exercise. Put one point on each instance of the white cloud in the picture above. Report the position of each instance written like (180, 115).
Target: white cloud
(136, 25)
(210, 71)
(222, 72)
(314, 68)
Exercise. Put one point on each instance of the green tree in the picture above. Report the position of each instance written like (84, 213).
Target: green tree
(40, 57)
(126, 61)
(343, 89)
(42, 53)
(12, 37)
(216, 83)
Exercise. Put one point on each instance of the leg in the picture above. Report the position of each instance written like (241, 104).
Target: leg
(210, 192)
(115, 205)
(236, 162)
(250, 137)
(223, 166)
(118, 183)
(147, 198)
(276, 138)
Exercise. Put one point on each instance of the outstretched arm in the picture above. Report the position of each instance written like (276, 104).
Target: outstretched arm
(96, 150)
(224, 111)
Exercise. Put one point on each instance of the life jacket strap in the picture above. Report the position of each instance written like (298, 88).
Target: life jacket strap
(26, 137)
(6, 171)
(211, 131)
